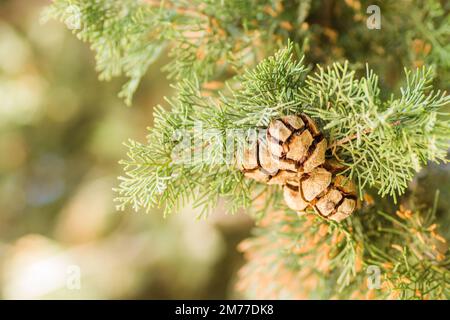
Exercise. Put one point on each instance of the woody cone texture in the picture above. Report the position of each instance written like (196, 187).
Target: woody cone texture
(291, 153)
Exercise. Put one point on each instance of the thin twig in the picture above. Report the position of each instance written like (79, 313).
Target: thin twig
(345, 140)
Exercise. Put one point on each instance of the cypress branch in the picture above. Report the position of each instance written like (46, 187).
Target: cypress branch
(386, 142)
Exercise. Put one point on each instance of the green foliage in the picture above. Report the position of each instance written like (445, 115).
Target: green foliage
(207, 39)
(386, 142)
(216, 39)
(266, 91)
(158, 173)
(429, 22)
(411, 254)
(118, 32)
(407, 251)
(382, 143)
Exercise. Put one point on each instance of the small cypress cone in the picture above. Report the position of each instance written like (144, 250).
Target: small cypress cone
(331, 196)
(291, 146)
(291, 152)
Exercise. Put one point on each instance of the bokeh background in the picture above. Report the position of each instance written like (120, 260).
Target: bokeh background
(61, 135)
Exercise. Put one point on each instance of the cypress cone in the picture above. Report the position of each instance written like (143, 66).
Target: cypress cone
(291, 153)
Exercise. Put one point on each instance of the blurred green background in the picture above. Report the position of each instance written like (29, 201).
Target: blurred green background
(61, 135)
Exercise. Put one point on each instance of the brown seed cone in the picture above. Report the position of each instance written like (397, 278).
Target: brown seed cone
(331, 197)
(290, 147)
(291, 152)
